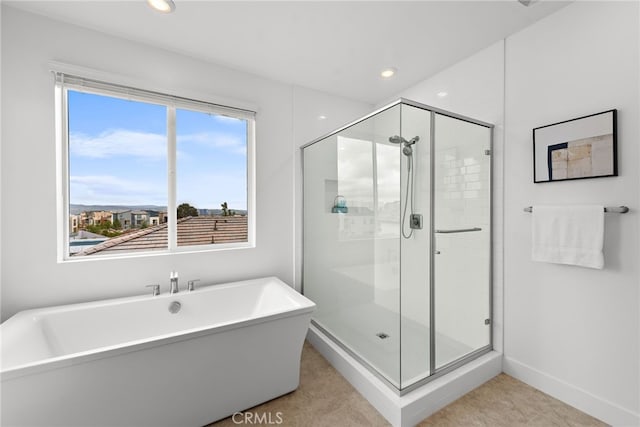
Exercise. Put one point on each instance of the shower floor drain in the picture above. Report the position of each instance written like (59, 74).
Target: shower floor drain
(382, 335)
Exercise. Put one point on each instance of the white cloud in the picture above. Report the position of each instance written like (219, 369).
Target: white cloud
(108, 189)
(218, 140)
(119, 142)
(152, 146)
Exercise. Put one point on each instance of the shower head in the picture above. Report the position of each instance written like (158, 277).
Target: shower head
(406, 150)
(396, 139)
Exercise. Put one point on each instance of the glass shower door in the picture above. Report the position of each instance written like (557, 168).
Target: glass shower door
(462, 238)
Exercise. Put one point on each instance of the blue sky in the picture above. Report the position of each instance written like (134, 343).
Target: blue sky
(118, 154)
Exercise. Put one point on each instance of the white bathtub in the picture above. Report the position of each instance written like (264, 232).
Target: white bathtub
(130, 362)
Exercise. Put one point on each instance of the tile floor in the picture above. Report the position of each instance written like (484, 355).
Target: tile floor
(325, 398)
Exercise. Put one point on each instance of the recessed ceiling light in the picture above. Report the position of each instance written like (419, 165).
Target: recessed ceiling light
(164, 6)
(322, 117)
(442, 94)
(388, 72)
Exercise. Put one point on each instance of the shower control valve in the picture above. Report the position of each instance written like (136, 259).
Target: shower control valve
(415, 221)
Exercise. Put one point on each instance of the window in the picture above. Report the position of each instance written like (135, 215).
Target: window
(144, 172)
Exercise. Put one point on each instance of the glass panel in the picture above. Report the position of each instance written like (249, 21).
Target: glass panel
(211, 178)
(351, 239)
(462, 237)
(117, 174)
(416, 199)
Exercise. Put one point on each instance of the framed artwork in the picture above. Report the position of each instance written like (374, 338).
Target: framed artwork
(580, 148)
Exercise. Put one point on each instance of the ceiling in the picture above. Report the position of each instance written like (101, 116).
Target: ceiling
(338, 47)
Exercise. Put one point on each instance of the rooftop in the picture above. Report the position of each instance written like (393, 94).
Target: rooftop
(197, 230)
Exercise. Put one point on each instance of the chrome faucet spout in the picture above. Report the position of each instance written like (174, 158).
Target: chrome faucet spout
(173, 278)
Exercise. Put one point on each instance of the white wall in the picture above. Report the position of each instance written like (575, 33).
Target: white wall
(31, 277)
(574, 332)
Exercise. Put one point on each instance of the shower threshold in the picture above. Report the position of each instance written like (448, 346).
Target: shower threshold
(410, 406)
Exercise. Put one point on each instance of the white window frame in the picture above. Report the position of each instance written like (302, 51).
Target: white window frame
(65, 82)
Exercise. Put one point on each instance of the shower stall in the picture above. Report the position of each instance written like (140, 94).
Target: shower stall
(397, 241)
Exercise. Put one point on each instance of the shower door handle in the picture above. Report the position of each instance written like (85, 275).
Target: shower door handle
(459, 230)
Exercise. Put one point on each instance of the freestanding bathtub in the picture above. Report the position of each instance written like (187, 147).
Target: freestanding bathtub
(131, 362)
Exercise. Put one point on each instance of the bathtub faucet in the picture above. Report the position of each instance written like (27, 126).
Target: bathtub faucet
(173, 278)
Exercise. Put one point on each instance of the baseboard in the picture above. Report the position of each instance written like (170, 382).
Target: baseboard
(595, 406)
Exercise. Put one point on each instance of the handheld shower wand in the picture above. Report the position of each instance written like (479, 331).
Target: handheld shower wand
(407, 150)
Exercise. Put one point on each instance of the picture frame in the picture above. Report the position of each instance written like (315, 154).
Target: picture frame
(580, 148)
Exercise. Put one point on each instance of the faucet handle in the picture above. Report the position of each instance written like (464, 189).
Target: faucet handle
(156, 289)
(191, 284)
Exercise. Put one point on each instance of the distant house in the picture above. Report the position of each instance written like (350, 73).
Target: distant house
(74, 223)
(123, 217)
(157, 218)
(139, 218)
(83, 219)
(192, 231)
(100, 217)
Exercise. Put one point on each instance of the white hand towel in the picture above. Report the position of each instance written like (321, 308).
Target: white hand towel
(569, 235)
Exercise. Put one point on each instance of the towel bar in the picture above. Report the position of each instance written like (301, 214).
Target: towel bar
(616, 209)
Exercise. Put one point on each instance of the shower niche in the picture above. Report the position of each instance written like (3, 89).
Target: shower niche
(401, 272)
